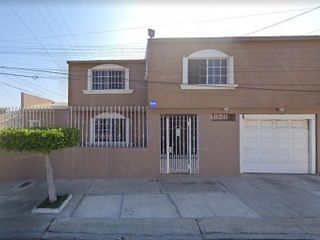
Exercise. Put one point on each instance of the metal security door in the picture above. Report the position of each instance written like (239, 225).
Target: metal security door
(179, 144)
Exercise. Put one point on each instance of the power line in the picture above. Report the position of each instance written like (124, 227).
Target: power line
(58, 25)
(34, 77)
(29, 30)
(33, 84)
(9, 94)
(65, 23)
(160, 25)
(50, 26)
(313, 31)
(285, 20)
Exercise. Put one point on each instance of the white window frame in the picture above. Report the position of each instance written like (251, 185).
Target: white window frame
(312, 133)
(107, 67)
(208, 54)
(107, 115)
(34, 123)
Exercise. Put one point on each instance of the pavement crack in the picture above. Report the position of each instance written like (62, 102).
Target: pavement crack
(174, 204)
(77, 205)
(121, 206)
(198, 225)
(47, 229)
(159, 185)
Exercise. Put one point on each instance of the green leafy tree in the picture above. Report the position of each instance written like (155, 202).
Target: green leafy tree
(41, 140)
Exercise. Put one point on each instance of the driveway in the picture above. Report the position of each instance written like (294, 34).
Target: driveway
(256, 206)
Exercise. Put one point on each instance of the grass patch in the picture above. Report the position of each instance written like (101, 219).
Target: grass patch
(56, 204)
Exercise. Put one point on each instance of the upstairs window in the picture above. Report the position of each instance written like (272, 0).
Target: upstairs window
(208, 71)
(208, 68)
(108, 79)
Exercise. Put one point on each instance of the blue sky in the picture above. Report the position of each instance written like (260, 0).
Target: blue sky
(45, 34)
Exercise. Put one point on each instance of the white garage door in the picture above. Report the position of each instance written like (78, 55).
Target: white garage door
(275, 146)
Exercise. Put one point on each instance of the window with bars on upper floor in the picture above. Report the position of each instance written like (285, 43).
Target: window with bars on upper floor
(108, 79)
(208, 69)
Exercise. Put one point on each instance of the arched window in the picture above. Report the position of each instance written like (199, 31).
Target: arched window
(208, 68)
(109, 128)
(108, 78)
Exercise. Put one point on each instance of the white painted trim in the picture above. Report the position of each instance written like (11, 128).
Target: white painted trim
(52, 210)
(230, 70)
(35, 121)
(89, 79)
(107, 115)
(185, 70)
(208, 86)
(108, 67)
(208, 53)
(312, 133)
(111, 91)
(280, 116)
(241, 132)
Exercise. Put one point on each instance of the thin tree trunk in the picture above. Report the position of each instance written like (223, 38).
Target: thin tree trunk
(50, 182)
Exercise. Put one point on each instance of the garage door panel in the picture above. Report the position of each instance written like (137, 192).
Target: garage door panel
(296, 134)
(251, 123)
(299, 123)
(282, 123)
(283, 146)
(276, 146)
(266, 134)
(299, 146)
(282, 167)
(266, 145)
(265, 123)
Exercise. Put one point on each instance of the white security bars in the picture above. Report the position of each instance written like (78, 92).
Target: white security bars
(17, 117)
(179, 144)
(113, 126)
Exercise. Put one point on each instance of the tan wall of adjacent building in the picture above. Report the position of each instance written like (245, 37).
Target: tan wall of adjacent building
(28, 100)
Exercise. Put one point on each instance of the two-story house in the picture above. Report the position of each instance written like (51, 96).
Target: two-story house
(217, 106)
(207, 106)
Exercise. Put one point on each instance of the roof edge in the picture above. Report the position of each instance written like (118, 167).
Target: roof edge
(239, 38)
(106, 61)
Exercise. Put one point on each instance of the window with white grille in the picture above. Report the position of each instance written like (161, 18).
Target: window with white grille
(110, 130)
(206, 69)
(108, 79)
(34, 123)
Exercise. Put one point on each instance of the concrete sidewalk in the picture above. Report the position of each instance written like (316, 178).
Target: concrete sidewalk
(177, 207)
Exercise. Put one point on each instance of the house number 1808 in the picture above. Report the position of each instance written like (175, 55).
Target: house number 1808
(222, 117)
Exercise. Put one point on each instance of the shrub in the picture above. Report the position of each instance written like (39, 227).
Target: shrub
(42, 140)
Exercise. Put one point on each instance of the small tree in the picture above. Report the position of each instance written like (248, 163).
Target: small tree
(41, 140)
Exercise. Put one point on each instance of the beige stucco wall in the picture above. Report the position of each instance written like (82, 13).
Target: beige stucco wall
(28, 100)
(219, 153)
(273, 63)
(78, 76)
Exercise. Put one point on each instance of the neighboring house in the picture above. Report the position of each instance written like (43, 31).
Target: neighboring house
(207, 106)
